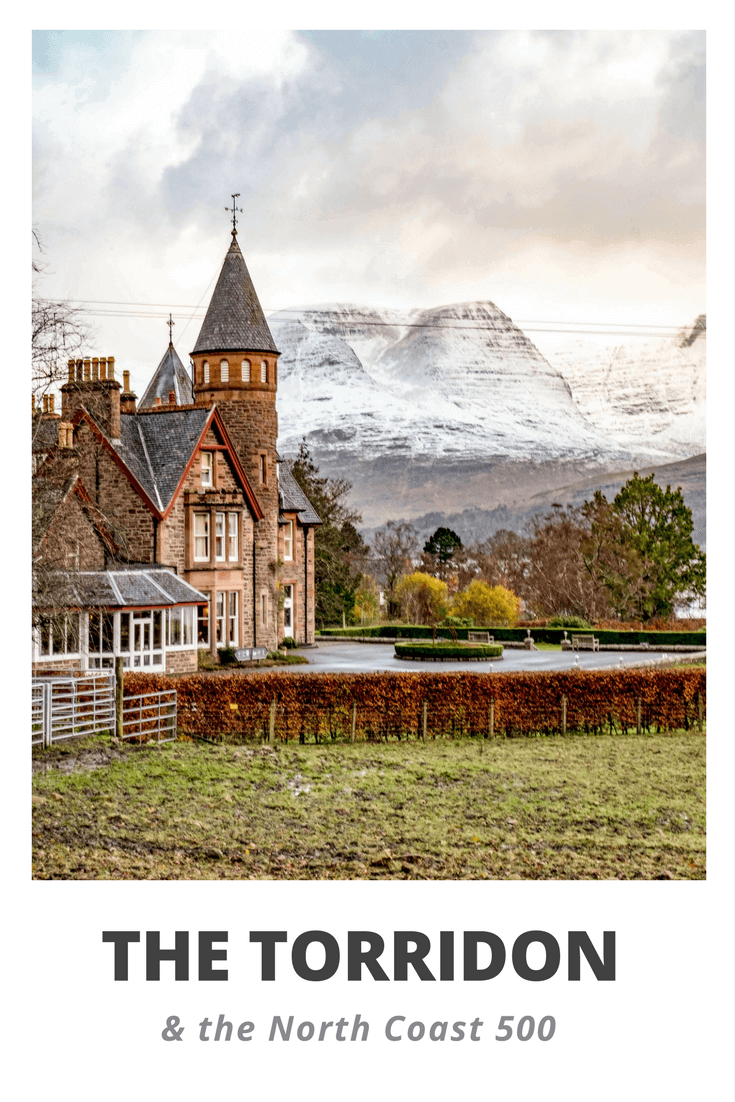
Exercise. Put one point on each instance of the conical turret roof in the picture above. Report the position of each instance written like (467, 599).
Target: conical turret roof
(234, 321)
(169, 375)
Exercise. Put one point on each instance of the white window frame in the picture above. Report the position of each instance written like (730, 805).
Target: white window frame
(219, 537)
(180, 622)
(245, 371)
(263, 371)
(207, 469)
(205, 368)
(204, 535)
(220, 617)
(288, 541)
(233, 618)
(224, 371)
(233, 533)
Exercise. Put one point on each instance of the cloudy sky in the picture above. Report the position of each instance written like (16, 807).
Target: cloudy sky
(560, 174)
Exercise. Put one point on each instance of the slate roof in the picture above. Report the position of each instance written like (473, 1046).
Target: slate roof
(128, 589)
(292, 498)
(46, 498)
(45, 434)
(169, 375)
(157, 447)
(235, 320)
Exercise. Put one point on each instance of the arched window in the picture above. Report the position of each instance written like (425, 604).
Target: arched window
(205, 367)
(246, 371)
(224, 371)
(263, 371)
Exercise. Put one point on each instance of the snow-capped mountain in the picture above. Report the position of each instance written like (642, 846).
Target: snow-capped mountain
(455, 407)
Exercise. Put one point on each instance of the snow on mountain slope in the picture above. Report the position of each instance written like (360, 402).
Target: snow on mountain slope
(648, 394)
(458, 381)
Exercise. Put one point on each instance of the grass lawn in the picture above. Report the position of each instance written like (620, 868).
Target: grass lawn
(550, 808)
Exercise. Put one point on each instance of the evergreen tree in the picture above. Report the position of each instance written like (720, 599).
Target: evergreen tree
(640, 547)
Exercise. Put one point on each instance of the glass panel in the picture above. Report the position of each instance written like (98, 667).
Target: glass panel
(203, 625)
(220, 627)
(108, 637)
(232, 625)
(59, 634)
(187, 619)
(201, 536)
(232, 536)
(94, 632)
(157, 630)
(174, 627)
(44, 630)
(288, 541)
(207, 466)
(219, 536)
(125, 632)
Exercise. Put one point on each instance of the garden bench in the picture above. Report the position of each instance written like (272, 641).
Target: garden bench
(585, 642)
(480, 637)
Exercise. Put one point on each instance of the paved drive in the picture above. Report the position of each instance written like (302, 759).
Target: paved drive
(375, 657)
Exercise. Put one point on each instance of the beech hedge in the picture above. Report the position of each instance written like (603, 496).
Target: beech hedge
(657, 639)
(316, 706)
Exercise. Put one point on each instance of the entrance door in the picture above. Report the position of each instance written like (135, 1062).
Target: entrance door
(288, 611)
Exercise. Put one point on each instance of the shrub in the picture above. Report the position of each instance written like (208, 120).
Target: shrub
(460, 651)
(288, 643)
(569, 622)
(486, 604)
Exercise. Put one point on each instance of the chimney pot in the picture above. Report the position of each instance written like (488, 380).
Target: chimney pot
(110, 367)
(103, 367)
(45, 403)
(80, 370)
(126, 380)
(171, 398)
(71, 365)
(158, 399)
(51, 400)
(95, 368)
(87, 369)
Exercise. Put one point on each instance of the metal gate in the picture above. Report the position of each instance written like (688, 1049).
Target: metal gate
(70, 707)
(150, 716)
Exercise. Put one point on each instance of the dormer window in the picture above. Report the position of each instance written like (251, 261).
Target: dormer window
(263, 371)
(207, 470)
(246, 371)
(205, 368)
(224, 371)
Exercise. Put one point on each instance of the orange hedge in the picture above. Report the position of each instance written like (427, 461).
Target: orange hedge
(315, 706)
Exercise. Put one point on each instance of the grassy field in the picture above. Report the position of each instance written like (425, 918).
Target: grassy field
(555, 808)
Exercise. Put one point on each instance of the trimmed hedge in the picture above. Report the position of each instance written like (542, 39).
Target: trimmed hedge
(462, 653)
(317, 706)
(658, 639)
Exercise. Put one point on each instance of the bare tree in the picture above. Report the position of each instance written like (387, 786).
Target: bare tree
(394, 548)
(58, 332)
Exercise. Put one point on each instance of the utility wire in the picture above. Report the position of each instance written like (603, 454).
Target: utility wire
(631, 329)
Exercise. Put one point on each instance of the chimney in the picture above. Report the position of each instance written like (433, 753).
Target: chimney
(158, 399)
(92, 385)
(127, 398)
(171, 398)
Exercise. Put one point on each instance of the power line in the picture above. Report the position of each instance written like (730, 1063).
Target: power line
(624, 329)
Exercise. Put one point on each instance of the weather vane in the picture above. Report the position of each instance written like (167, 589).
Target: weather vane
(234, 210)
(170, 323)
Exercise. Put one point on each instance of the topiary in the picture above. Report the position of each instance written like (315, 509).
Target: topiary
(568, 622)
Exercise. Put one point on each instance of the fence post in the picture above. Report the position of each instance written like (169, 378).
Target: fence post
(119, 677)
(700, 713)
(563, 715)
(272, 722)
(354, 721)
(638, 715)
(491, 724)
(423, 722)
(47, 690)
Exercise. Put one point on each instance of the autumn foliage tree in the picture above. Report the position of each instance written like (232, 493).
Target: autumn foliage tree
(423, 598)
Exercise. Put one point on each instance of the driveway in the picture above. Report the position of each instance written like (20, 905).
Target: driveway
(378, 657)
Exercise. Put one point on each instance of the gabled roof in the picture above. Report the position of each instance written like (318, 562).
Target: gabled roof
(49, 495)
(45, 434)
(156, 450)
(234, 321)
(292, 498)
(126, 589)
(169, 375)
